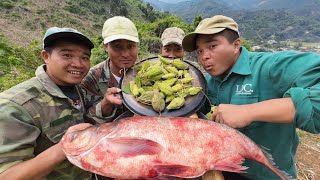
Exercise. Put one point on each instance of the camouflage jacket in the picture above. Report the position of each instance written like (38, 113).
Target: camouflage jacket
(34, 115)
(95, 84)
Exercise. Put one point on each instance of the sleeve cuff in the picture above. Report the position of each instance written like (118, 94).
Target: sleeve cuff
(5, 166)
(99, 109)
(102, 119)
(304, 108)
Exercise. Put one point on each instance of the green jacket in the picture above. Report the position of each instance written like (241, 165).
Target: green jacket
(34, 115)
(260, 76)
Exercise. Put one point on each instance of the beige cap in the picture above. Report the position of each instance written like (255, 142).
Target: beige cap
(119, 27)
(211, 25)
(172, 35)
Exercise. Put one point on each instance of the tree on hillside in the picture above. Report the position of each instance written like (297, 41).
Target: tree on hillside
(197, 20)
(148, 11)
(118, 8)
(246, 44)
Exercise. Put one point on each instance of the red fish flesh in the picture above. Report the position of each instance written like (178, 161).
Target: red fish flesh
(144, 147)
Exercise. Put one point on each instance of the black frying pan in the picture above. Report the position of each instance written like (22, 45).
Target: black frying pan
(192, 103)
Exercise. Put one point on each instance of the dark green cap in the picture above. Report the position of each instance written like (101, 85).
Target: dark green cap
(55, 32)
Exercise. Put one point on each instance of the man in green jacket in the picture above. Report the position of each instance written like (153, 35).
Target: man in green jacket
(35, 114)
(266, 96)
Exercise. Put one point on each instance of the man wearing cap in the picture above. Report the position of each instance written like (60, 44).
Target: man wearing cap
(266, 96)
(120, 38)
(171, 40)
(36, 113)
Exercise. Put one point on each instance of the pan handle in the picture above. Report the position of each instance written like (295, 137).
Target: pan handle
(124, 115)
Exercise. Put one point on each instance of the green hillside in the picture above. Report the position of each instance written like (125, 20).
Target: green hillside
(25, 21)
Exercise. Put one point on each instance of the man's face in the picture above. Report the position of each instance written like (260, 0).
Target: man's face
(68, 63)
(172, 51)
(216, 54)
(122, 54)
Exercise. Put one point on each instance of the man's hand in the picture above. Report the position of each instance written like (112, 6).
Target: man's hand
(112, 96)
(235, 116)
(110, 99)
(280, 110)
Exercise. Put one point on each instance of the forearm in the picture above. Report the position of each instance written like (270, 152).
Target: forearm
(274, 111)
(38, 167)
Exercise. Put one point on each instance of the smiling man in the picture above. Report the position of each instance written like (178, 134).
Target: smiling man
(120, 39)
(36, 113)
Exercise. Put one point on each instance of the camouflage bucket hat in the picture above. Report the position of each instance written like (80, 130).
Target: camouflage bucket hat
(211, 25)
(172, 35)
(54, 33)
(119, 27)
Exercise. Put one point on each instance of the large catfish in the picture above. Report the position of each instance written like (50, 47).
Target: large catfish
(143, 147)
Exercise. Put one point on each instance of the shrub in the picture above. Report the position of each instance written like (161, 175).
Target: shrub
(7, 4)
(17, 64)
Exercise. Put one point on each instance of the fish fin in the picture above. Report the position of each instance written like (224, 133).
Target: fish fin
(129, 146)
(274, 168)
(231, 164)
(175, 170)
(164, 178)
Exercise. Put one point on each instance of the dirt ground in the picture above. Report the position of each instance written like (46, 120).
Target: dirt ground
(308, 156)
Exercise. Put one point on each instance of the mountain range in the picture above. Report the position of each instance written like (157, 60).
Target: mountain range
(293, 20)
(22, 20)
(240, 4)
(208, 8)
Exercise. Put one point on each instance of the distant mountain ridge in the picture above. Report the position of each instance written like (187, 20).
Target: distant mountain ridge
(242, 4)
(189, 9)
(160, 4)
(271, 4)
(294, 20)
(173, 1)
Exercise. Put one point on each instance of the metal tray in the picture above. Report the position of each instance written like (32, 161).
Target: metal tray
(192, 103)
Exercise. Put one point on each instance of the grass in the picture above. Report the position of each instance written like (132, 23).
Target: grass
(305, 135)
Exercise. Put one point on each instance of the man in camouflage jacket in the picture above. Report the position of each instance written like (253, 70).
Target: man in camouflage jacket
(36, 113)
(121, 43)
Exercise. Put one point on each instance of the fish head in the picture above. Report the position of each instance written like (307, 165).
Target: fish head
(77, 142)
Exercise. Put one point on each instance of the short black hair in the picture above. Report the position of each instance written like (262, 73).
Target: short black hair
(230, 35)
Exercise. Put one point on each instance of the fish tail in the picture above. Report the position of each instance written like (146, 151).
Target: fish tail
(269, 162)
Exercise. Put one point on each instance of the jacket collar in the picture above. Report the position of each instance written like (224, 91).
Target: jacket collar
(47, 83)
(242, 65)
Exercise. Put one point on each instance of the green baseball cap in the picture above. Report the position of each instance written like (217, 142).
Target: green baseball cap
(119, 27)
(172, 35)
(211, 25)
(54, 33)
